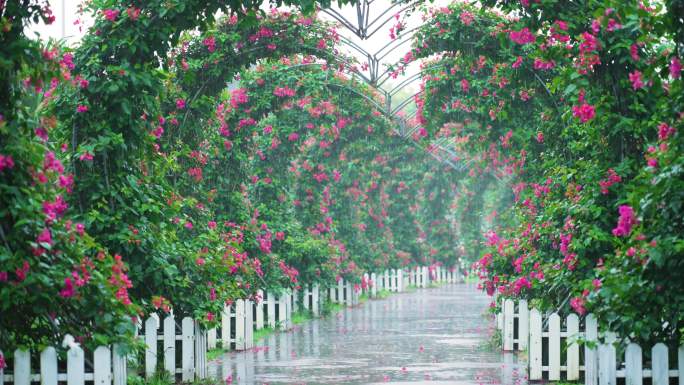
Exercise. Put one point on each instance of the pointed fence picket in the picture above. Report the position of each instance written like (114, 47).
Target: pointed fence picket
(73, 372)
(554, 351)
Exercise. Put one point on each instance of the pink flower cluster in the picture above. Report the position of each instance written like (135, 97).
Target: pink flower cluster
(282, 92)
(119, 279)
(6, 162)
(664, 132)
(111, 14)
(210, 43)
(577, 304)
(238, 97)
(583, 111)
(625, 221)
(524, 36)
(613, 178)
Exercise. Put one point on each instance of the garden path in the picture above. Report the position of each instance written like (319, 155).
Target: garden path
(432, 336)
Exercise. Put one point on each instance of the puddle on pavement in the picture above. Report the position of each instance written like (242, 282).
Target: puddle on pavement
(430, 336)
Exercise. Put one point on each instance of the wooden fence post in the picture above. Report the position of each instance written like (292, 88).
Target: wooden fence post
(188, 349)
(240, 324)
(200, 352)
(22, 367)
(151, 326)
(573, 366)
(170, 345)
(660, 366)
(535, 356)
(508, 325)
(270, 310)
(374, 285)
(554, 347)
(48, 366)
(634, 370)
(260, 311)
(119, 371)
(590, 352)
(226, 326)
(102, 367)
(523, 325)
(606, 364)
(282, 311)
(249, 324)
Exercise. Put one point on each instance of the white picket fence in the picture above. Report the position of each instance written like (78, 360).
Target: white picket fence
(181, 349)
(528, 329)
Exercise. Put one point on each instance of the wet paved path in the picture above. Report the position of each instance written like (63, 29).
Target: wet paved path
(431, 336)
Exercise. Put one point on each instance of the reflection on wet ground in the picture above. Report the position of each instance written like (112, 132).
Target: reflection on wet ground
(434, 336)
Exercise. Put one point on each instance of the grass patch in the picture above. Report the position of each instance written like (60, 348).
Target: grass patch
(410, 288)
(363, 298)
(331, 308)
(300, 317)
(495, 342)
(434, 285)
(382, 294)
(215, 353)
(262, 333)
(160, 377)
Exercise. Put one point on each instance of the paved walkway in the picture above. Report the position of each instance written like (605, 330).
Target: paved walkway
(431, 336)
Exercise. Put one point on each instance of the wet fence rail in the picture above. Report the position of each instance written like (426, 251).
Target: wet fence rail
(180, 346)
(553, 346)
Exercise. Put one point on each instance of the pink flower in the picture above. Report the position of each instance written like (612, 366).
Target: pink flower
(111, 14)
(86, 156)
(634, 52)
(675, 68)
(577, 304)
(210, 316)
(22, 271)
(268, 129)
(210, 43)
(625, 221)
(45, 237)
(6, 162)
(596, 283)
(664, 131)
(280, 235)
(66, 182)
(293, 137)
(652, 162)
(524, 36)
(635, 78)
(540, 137)
(211, 225)
(466, 17)
(3, 364)
(584, 112)
(188, 225)
(322, 44)
(517, 62)
(68, 290)
(80, 229)
(180, 104)
(238, 96)
(3, 278)
(200, 261)
(81, 108)
(465, 86)
(133, 13)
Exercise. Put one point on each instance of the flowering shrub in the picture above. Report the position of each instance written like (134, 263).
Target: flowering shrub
(569, 111)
